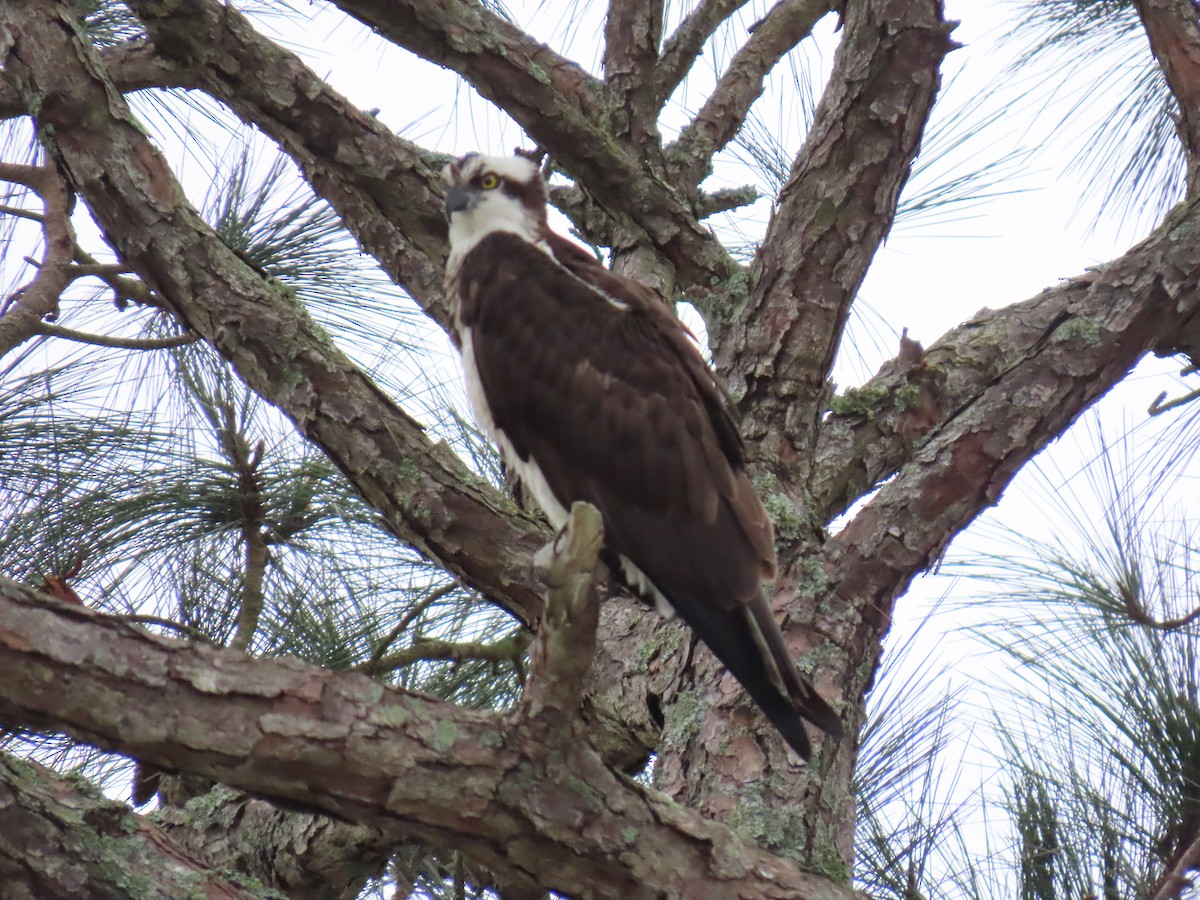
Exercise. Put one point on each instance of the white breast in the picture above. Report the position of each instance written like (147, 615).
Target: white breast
(527, 470)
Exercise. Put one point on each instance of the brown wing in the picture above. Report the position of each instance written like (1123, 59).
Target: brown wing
(601, 387)
(613, 413)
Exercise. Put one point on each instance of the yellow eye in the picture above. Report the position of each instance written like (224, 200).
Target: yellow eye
(489, 182)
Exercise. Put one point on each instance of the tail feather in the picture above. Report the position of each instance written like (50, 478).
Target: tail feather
(802, 696)
(747, 640)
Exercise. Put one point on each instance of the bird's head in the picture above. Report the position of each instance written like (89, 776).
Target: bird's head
(493, 193)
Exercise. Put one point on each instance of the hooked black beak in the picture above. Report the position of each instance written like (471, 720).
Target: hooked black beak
(458, 199)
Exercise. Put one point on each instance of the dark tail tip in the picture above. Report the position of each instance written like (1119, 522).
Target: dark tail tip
(813, 707)
(791, 726)
(788, 715)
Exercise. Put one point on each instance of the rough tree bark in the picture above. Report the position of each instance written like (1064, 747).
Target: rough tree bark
(538, 800)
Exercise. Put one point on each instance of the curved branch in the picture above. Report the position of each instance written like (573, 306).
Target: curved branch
(833, 214)
(506, 649)
(723, 114)
(342, 744)
(686, 43)
(1110, 318)
(21, 314)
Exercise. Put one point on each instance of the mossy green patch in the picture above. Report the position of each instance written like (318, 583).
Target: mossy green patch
(1077, 328)
(445, 733)
(684, 718)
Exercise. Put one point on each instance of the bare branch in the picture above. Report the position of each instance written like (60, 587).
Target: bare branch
(20, 213)
(189, 631)
(722, 116)
(1174, 36)
(683, 47)
(22, 313)
(427, 649)
(1160, 404)
(407, 764)
(726, 199)
(104, 340)
(409, 617)
(125, 290)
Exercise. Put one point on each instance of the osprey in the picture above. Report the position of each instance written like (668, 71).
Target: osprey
(594, 391)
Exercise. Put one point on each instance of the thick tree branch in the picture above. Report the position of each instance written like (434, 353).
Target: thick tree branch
(558, 106)
(723, 114)
(503, 63)
(685, 45)
(873, 431)
(632, 32)
(58, 839)
(1110, 318)
(1174, 32)
(384, 188)
(833, 214)
(343, 744)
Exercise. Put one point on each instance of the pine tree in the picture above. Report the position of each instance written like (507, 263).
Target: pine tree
(260, 578)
